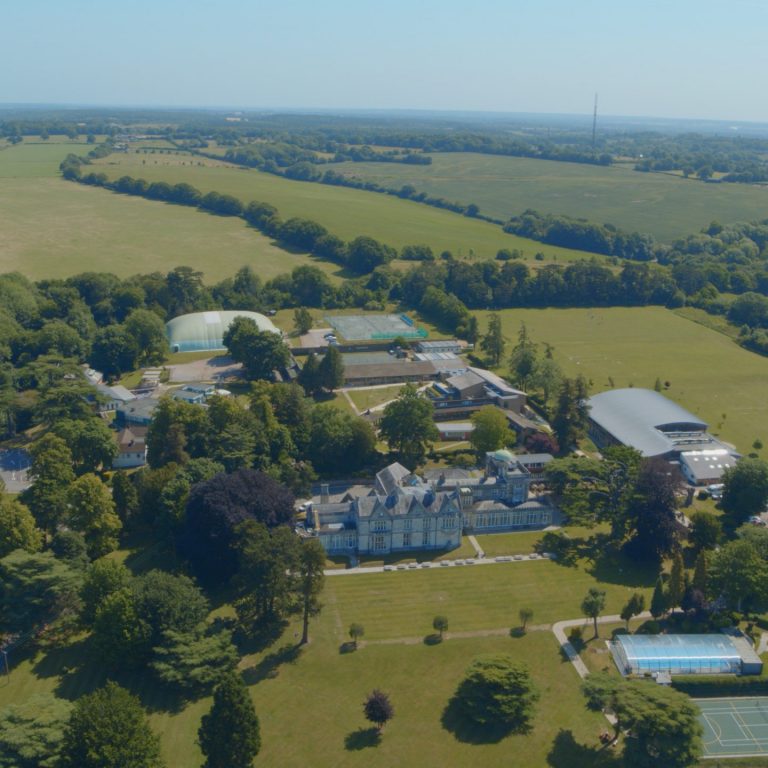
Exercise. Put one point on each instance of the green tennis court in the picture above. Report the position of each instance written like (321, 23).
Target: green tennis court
(734, 727)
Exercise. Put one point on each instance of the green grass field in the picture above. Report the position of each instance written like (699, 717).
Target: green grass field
(310, 706)
(53, 228)
(370, 398)
(666, 206)
(709, 374)
(345, 212)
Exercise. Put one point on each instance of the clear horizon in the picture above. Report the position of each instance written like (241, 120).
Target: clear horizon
(687, 60)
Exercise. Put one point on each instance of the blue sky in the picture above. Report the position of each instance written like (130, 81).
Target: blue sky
(678, 58)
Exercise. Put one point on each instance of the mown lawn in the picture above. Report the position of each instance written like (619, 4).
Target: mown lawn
(370, 398)
(345, 212)
(309, 703)
(708, 373)
(666, 206)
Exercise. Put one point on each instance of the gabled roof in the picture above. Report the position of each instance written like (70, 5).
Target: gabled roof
(390, 477)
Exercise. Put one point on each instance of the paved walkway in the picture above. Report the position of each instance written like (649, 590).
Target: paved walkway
(478, 549)
(437, 564)
(559, 629)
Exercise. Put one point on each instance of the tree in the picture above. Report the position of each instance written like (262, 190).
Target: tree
(633, 607)
(364, 254)
(196, 660)
(497, 690)
(311, 579)
(739, 575)
(309, 377)
(356, 631)
(652, 511)
(330, 371)
(120, 635)
(302, 320)
(706, 531)
(663, 725)
(215, 509)
(525, 615)
(91, 442)
(593, 604)
(169, 602)
(408, 425)
(659, 599)
(17, 527)
(103, 578)
(523, 360)
(701, 572)
(745, 490)
(378, 708)
(260, 352)
(35, 588)
(125, 496)
(148, 333)
(52, 472)
(108, 729)
(31, 732)
(493, 342)
(229, 735)
(339, 441)
(676, 588)
(571, 413)
(440, 624)
(266, 581)
(547, 376)
(70, 547)
(92, 512)
(491, 430)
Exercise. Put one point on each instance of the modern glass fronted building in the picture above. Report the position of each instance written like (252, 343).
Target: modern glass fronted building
(685, 655)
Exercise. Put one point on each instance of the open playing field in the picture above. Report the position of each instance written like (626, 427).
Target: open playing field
(664, 205)
(709, 374)
(53, 228)
(345, 212)
(309, 703)
(736, 727)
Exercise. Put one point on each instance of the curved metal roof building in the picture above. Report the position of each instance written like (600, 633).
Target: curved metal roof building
(645, 420)
(205, 330)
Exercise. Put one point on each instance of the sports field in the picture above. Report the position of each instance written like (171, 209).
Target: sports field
(709, 374)
(345, 212)
(666, 206)
(735, 727)
(53, 228)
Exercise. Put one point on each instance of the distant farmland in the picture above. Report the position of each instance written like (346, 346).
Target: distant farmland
(345, 212)
(666, 206)
(53, 228)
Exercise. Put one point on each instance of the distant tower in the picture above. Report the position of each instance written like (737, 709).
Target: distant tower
(594, 123)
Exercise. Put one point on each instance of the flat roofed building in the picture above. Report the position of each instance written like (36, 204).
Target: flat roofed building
(706, 467)
(685, 655)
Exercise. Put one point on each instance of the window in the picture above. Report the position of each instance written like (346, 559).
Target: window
(379, 526)
(407, 525)
(448, 523)
(406, 539)
(378, 542)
